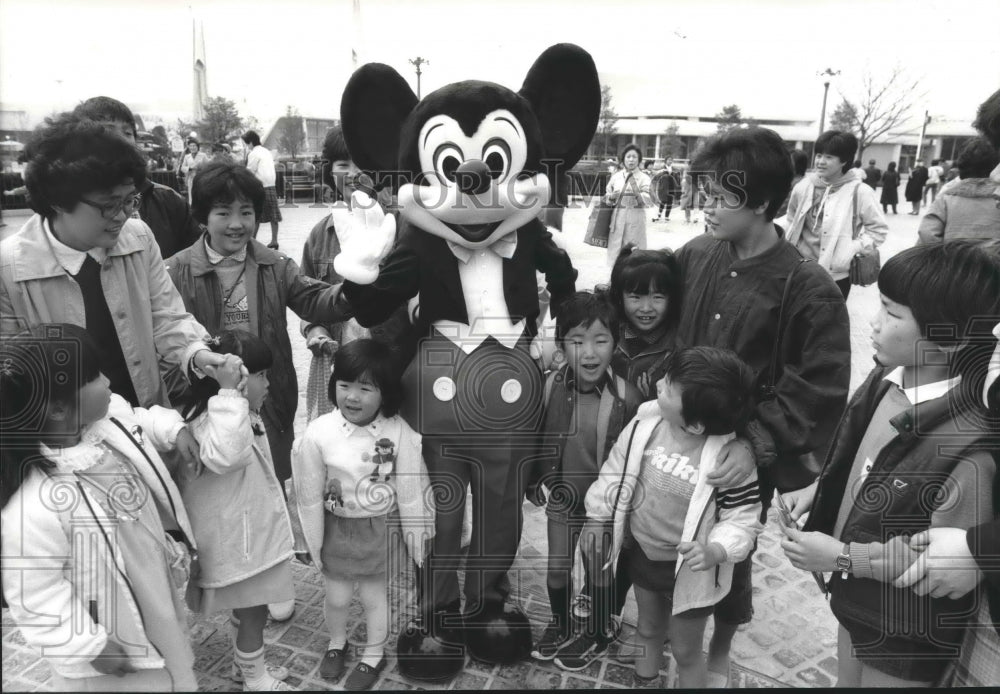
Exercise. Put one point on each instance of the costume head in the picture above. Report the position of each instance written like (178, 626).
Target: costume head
(473, 160)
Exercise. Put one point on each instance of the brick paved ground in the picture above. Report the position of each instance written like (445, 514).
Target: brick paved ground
(791, 641)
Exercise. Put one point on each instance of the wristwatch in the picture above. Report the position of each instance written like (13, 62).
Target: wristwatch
(844, 561)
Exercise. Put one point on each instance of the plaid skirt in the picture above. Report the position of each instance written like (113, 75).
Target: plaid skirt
(271, 213)
(979, 664)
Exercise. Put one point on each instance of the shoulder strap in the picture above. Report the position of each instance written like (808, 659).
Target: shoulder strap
(855, 221)
(604, 414)
(166, 490)
(621, 482)
(549, 381)
(779, 335)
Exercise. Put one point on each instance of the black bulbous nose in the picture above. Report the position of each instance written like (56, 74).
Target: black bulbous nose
(473, 177)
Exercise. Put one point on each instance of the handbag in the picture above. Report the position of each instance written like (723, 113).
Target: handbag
(599, 224)
(864, 266)
(787, 472)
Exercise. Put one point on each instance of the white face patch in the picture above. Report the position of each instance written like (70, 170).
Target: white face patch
(499, 149)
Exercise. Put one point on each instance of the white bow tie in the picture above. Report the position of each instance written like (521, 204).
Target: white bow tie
(503, 247)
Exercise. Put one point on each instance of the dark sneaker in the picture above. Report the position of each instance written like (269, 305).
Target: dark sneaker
(582, 652)
(333, 664)
(553, 639)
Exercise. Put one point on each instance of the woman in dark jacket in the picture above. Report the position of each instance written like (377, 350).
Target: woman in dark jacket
(915, 187)
(890, 189)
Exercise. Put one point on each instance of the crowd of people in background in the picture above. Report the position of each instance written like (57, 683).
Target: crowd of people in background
(711, 380)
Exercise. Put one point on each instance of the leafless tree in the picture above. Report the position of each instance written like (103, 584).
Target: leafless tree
(608, 124)
(882, 105)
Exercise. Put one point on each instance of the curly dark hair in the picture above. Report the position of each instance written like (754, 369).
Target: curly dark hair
(70, 156)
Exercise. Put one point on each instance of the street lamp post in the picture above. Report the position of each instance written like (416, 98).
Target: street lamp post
(827, 75)
(417, 62)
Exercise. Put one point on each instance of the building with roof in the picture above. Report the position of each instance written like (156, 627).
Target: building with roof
(663, 125)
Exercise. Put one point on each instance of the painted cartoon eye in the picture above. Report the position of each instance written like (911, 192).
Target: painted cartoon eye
(447, 158)
(496, 154)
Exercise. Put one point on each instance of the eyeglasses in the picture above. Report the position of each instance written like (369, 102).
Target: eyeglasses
(110, 210)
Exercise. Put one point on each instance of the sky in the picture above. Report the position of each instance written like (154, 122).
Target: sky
(266, 55)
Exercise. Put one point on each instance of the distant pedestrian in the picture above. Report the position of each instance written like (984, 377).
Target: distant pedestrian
(890, 189)
(915, 186)
(966, 210)
(193, 160)
(666, 185)
(873, 174)
(934, 174)
(858, 171)
(832, 217)
(261, 164)
(628, 191)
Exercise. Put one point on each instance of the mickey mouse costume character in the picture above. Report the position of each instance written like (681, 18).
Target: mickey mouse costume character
(475, 159)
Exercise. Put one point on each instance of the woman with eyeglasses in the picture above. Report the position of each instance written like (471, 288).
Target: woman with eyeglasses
(83, 259)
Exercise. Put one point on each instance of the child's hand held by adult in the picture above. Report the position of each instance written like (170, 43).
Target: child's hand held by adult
(229, 373)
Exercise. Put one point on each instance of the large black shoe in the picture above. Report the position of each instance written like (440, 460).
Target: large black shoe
(434, 651)
(500, 634)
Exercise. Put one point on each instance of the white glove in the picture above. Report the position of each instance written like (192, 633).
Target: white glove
(366, 234)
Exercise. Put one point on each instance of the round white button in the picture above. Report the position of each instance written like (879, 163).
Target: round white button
(510, 391)
(444, 389)
(733, 273)
(718, 316)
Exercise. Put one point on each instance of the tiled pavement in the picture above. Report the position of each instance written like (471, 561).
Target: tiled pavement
(791, 641)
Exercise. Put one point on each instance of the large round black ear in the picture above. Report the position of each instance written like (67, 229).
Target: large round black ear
(565, 93)
(375, 104)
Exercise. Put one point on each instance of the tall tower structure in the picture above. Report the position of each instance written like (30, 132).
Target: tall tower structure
(200, 81)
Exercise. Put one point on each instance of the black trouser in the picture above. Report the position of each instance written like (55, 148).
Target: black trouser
(666, 206)
(492, 470)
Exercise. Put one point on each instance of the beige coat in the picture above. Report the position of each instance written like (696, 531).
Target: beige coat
(148, 312)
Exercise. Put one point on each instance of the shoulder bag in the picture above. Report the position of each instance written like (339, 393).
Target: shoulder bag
(864, 266)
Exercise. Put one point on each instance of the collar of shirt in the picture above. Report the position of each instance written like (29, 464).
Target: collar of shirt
(650, 338)
(503, 247)
(215, 258)
(921, 393)
(375, 427)
(70, 258)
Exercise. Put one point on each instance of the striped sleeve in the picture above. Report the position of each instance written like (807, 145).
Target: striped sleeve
(734, 497)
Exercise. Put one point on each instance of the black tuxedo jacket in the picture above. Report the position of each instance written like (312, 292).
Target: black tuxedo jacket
(421, 262)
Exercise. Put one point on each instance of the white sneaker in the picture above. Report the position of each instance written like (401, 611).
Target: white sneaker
(278, 672)
(269, 684)
(281, 611)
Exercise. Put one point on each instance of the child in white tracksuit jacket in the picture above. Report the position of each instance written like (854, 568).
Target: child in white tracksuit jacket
(672, 528)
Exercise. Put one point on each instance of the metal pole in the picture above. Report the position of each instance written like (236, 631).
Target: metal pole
(417, 62)
(923, 132)
(822, 115)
